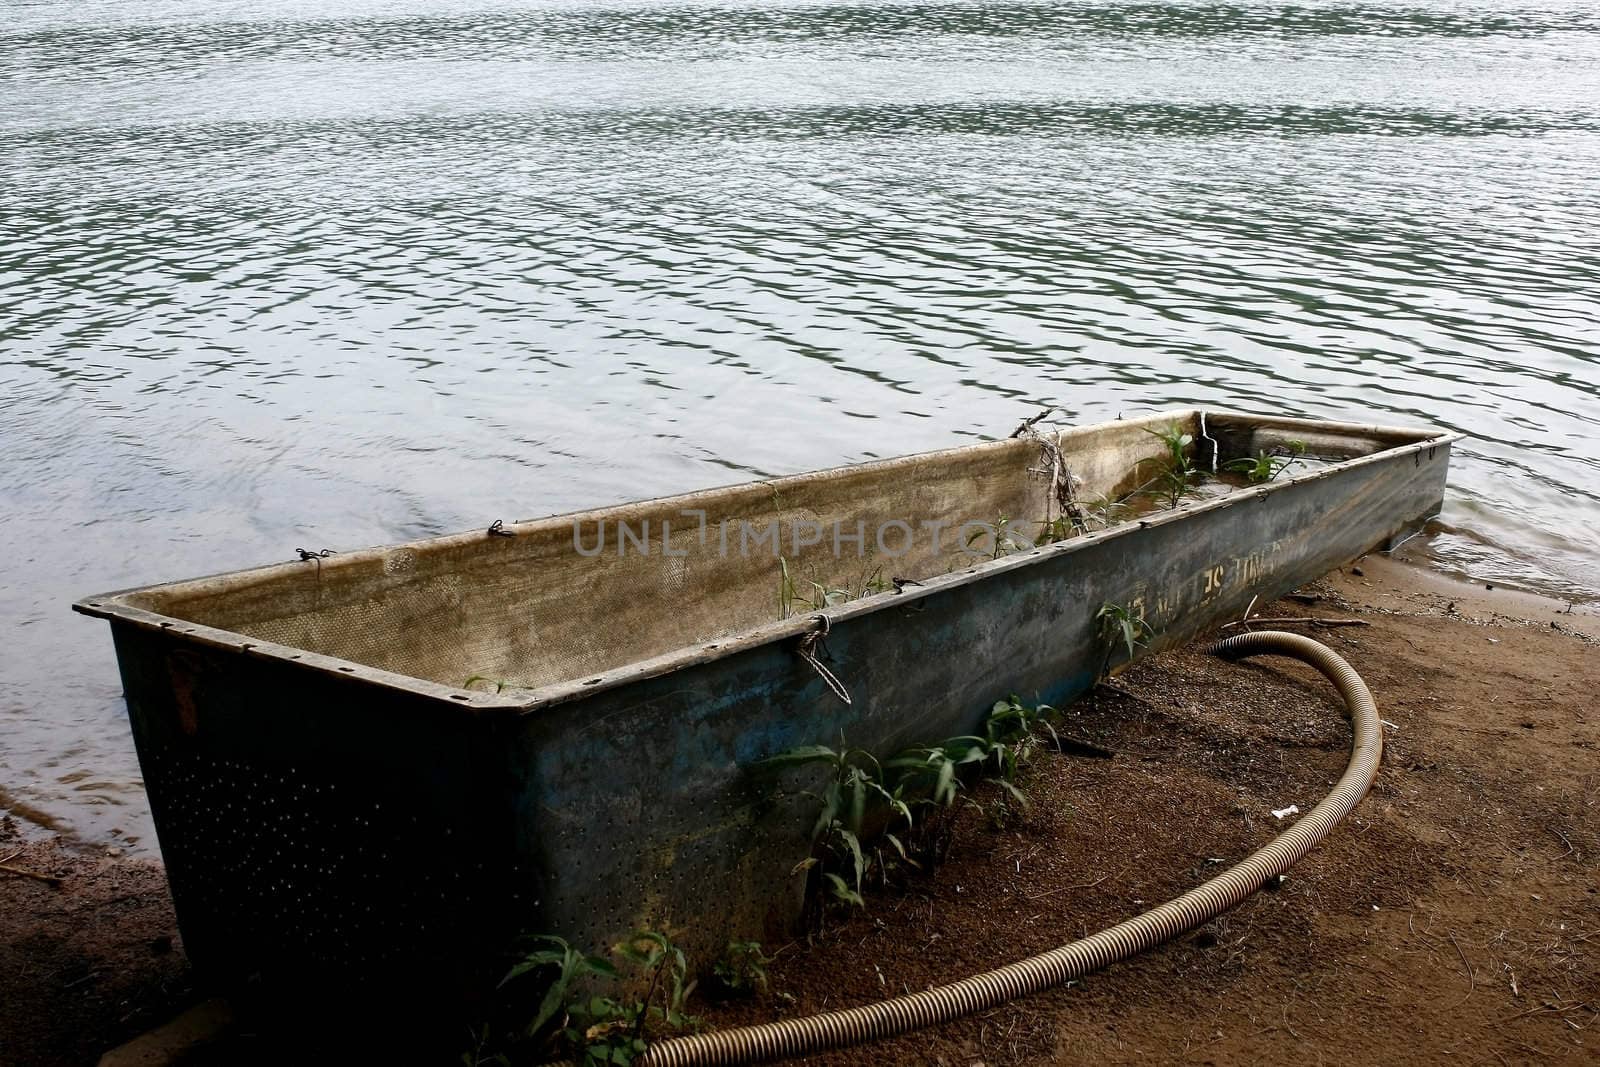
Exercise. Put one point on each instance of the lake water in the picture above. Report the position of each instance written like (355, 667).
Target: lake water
(272, 278)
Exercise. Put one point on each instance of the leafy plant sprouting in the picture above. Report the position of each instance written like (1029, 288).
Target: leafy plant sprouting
(1101, 512)
(1108, 511)
(669, 972)
(603, 1029)
(876, 583)
(932, 774)
(566, 967)
(1119, 626)
(1006, 540)
(853, 789)
(1177, 473)
(1013, 736)
(742, 970)
(810, 595)
(1060, 528)
(787, 594)
(821, 596)
(1104, 510)
(1013, 733)
(1266, 466)
(864, 793)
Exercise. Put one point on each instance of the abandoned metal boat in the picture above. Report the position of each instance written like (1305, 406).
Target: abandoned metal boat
(382, 765)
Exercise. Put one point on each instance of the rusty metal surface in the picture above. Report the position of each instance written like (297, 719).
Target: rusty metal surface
(324, 814)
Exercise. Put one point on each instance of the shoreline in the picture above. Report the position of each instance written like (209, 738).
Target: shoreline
(1409, 576)
(105, 961)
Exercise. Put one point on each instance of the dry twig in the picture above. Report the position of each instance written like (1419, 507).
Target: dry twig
(26, 873)
(1288, 620)
(1472, 978)
(1065, 888)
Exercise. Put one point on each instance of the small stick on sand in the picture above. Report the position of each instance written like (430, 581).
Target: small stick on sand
(1472, 978)
(1081, 885)
(1285, 621)
(5, 865)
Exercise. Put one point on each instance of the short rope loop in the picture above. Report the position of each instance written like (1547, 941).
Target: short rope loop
(810, 642)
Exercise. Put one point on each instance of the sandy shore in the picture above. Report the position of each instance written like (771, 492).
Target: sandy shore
(1453, 918)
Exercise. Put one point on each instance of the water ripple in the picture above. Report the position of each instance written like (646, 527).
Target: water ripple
(270, 278)
(91, 47)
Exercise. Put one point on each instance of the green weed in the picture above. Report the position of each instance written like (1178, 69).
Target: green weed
(787, 594)
(1265, 466)
(1107, 512)
(563, 967)
(933, 774)
(853, 790)
(1060, 528)
(1119, 626)
(876, 583)
(1100, 513)
(1014, 732)
(742, 970)
(912, 791)
(596, 1029)
(1007, 809)
(808, 595)
(664, 961)
(1177, 473)
(1005, 540)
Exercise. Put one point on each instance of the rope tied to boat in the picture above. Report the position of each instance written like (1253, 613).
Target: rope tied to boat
(810, 642)
(308, 556)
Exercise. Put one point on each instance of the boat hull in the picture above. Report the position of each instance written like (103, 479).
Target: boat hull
(320, 819)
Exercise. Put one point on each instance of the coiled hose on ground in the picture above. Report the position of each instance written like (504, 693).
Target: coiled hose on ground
(855, 1026)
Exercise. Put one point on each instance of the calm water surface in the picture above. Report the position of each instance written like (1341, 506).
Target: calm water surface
(271, 277)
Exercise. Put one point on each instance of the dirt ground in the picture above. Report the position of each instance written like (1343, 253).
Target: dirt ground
(87, 963)
(1453, 918)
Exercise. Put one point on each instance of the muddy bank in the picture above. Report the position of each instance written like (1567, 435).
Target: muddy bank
(1453, 917)
(89, 957)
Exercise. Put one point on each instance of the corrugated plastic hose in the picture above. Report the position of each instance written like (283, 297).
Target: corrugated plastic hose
(855, 1026)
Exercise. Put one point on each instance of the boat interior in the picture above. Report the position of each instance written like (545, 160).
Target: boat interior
(561, 599)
